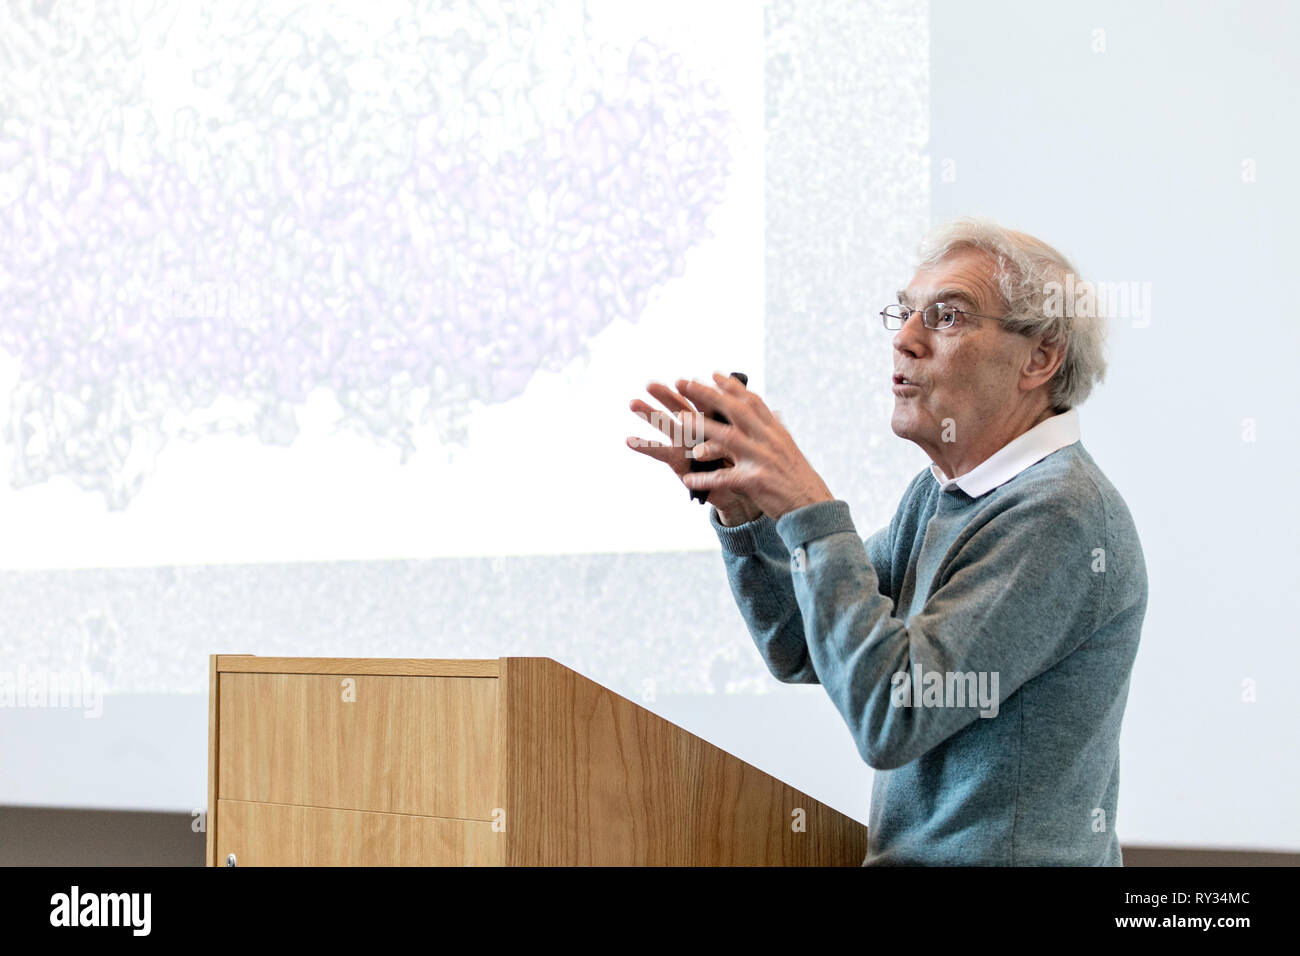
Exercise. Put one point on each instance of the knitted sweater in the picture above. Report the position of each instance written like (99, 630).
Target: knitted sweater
(979, 650)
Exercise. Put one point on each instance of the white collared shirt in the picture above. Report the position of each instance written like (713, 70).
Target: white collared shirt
(1015, 456)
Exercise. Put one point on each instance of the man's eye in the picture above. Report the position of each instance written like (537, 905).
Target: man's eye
(949, 313)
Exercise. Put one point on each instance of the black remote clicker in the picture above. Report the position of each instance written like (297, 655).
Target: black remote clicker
(715, 464)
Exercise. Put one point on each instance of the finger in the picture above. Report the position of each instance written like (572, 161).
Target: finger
(709, 480)
(671, 400)
(698, 428)
(749, 399)
(704, 403)
(735, 408)
(659, 418)
(673, 455)
(704, 451)
(682, 433)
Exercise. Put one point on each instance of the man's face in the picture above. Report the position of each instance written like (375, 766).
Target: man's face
(968, 372)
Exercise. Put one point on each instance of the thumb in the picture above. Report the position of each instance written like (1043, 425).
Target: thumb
(708, 480)
(704, 451)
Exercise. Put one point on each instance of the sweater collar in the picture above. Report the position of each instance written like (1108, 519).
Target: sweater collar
(1029, 448)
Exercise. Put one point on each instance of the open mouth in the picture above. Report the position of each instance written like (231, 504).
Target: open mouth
(903, 380)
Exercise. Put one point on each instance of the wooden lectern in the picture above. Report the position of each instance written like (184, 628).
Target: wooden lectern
(511, 762)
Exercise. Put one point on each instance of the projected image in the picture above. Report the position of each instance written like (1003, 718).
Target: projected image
(319, 322)
(210, 215)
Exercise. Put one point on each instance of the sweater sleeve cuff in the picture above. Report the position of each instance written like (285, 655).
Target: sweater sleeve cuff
(810, 522)
(747, 538)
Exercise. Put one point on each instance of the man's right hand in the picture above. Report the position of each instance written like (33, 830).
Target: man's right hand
(733, 507)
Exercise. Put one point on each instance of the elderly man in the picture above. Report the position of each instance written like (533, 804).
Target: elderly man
(979, 647)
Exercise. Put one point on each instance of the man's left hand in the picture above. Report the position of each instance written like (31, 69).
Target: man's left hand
(768, 466)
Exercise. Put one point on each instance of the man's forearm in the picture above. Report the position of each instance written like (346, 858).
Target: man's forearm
(758, 570)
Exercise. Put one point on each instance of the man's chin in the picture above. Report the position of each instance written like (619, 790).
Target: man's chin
(903, 426)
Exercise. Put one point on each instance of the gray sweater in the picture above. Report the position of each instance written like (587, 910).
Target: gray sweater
(979, 650)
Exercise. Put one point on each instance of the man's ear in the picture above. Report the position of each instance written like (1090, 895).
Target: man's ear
(1044, 360)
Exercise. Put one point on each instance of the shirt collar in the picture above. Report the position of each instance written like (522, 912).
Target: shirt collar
(1049, 435)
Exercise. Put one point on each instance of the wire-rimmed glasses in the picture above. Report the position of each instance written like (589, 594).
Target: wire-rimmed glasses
(937, 315)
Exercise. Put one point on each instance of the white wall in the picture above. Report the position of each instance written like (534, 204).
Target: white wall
(1157, 143)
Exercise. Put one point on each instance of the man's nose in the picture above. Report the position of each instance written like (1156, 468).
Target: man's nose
(912, 335)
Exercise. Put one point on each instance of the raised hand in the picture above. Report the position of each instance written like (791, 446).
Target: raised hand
(734, 507)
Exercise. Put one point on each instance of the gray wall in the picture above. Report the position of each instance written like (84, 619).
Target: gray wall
(44, 836)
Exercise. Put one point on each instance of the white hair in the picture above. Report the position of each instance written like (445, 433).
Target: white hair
(1027, 271)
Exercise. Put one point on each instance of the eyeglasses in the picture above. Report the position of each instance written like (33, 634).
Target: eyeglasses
(938, 315)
